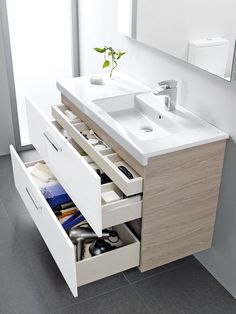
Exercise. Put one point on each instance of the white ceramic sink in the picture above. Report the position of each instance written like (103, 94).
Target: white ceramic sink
(146, 118)
(136, 118)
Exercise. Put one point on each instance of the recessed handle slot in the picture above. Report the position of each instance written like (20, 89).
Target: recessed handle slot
(51, 140)
(29, 192)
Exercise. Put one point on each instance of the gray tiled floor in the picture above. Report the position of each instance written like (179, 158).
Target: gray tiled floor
(30, 281)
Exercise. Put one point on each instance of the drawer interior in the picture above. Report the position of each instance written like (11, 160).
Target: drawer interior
(99, 151)
(102, 264)
(113, 157)
(110, 207)
(125, 256)
(111, 196)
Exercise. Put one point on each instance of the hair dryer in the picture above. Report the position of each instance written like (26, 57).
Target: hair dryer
(79, 236)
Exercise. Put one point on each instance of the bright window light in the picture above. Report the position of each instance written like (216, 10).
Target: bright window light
(41, 41)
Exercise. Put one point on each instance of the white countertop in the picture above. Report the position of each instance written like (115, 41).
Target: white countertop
(82, 93)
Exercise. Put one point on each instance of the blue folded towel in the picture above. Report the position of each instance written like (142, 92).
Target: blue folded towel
(55, 195)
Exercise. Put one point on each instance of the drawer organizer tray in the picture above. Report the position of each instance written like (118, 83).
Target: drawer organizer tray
(107, 160)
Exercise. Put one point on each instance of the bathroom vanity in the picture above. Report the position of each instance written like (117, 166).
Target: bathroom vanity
(169, 206)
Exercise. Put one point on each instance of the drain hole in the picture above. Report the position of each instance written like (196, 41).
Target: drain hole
(147, 129)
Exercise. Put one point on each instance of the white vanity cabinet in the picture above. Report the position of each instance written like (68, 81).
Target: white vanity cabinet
(169, 204)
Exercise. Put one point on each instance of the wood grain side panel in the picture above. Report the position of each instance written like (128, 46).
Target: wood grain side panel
(107, 138)
(179, 203)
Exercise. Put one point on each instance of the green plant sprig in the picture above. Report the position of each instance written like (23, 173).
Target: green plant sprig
(114, 56)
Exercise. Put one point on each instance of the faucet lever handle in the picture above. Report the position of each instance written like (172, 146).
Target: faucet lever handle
(169, 84)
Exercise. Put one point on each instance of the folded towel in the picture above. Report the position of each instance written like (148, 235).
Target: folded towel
(42, 172)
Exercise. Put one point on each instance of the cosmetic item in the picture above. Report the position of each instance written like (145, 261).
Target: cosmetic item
(91, 132)
(63, 206)
(104, 178)
(96, 80)
(55, 195)
(110, 196)
(86, 134)
(81, 235)
(65, 213)
(100, 246)
(126, 172)
(74, 220)
(42, 172)
(83, 153)
(70, 115)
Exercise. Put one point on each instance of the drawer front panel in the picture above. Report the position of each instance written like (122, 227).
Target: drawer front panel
(51, 230)
(78, 179)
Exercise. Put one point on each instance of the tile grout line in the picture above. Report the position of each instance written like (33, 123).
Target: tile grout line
(90, 298)
(142, 301)
(151, 276)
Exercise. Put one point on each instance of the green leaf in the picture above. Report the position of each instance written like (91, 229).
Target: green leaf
(120, 54)
(106, 64)
(100, 50)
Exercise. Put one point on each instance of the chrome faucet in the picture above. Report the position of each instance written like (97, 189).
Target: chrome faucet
(168, 89)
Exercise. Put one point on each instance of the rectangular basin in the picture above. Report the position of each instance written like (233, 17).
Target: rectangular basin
(146, 118)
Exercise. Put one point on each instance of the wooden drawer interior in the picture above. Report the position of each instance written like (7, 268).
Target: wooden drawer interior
(115, 261)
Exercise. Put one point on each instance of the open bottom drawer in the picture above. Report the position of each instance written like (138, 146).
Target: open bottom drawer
(104, 265)
(60, 245)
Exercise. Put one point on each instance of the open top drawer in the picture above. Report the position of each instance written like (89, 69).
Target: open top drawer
(78, 177)
(76, 273)
(106, 159)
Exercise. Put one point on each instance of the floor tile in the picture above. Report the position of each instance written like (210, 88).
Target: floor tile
(3, 213)
(19, 292)
(120, 301)
(28, 235)
(10, 248)
(185, 290)
(102, 286)
(56, 290)
(134, 274)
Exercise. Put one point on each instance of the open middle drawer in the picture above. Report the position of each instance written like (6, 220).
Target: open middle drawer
(76, 273)
(77, 176)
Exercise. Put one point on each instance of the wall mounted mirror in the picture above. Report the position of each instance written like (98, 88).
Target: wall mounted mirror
(199, 32)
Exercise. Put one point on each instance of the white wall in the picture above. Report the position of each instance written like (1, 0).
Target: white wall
(169, 25)
(6, 128)
(210, 97)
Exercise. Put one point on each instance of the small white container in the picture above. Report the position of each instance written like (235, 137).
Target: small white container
(93, 141)
(100, 147)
